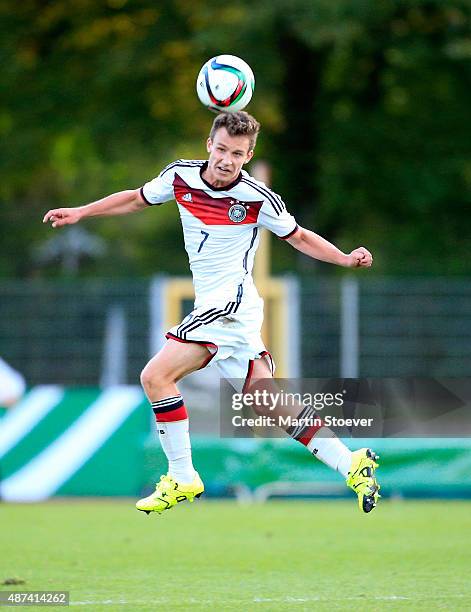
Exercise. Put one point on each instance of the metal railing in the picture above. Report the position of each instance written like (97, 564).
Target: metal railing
(402, 327)
(57, 332)
(92, 332)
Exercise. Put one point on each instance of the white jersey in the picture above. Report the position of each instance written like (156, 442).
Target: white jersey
(221, 227)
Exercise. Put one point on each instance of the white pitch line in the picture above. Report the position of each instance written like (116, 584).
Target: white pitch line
(354, 598)
(287, 599)
(105, 602)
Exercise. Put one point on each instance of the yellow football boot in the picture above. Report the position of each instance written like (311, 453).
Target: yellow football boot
(361, 478)
(169, 493)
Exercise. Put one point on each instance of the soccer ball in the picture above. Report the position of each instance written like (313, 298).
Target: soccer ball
(225, 84)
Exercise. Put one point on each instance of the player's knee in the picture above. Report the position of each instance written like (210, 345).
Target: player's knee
(152, 377)
(145, 379)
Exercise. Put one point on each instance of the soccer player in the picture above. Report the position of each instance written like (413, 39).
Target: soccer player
(222, 209)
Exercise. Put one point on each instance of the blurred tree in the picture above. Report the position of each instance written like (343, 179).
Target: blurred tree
(364, 107)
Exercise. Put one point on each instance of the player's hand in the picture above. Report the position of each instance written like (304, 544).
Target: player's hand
(360, 258)
(62, 216)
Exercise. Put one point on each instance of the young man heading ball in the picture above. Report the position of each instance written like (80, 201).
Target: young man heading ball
(222, 209)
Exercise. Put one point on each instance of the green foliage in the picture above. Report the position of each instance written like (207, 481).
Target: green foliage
(396, 139)
(364, 106)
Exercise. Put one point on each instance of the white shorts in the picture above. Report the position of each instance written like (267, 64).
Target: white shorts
(232, 334)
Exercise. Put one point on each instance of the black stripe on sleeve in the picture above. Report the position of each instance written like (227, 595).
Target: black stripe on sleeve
(148, 201)
(182, 163)
(272, 197)
(141, 191)
(290, 234)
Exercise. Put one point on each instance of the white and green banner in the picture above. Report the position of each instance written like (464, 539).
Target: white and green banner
(73, 442)
(91, 442)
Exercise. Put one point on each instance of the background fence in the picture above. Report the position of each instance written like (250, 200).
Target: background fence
(71, 338)
(68, 333)
(57, 332)
(406, 327)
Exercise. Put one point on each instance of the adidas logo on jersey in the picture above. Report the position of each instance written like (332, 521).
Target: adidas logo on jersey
(187, 197)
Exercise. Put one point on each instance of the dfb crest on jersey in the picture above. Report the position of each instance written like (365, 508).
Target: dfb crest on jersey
(237, 213)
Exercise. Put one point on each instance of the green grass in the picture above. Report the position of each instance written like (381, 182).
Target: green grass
(283, 555)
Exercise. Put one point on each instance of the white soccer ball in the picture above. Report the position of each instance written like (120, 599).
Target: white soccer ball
(225, 84)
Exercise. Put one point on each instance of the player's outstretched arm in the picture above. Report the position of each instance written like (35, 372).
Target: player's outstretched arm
(120, 203)
(317, 247)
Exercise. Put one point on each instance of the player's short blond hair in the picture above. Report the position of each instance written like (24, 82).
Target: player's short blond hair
(237, 124)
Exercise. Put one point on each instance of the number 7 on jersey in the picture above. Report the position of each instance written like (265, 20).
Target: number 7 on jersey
(205, 237)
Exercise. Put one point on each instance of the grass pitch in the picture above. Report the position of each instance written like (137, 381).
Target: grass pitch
(284, 555)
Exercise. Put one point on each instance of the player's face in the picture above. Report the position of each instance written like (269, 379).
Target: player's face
(227, 155)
